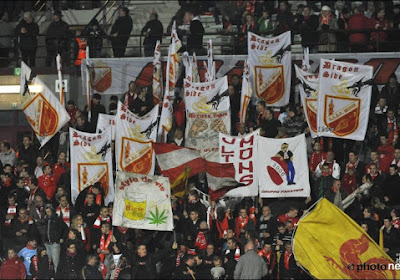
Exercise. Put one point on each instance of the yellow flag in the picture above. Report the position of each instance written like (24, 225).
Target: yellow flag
(330, 245)
(176, 189)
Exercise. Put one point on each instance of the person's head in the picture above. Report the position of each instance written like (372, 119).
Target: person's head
(123, 11)
(267, 247)
(90, 199)
(41, 251)
(63, 201)
(396, 9)
(72, 233)
(132, 86)
(33, 183)
(269, 114)
(91, 260)
(281, 228)
(382, 102)
(11, 199)
(368, 213)
(57, 16)
(394, 213)
(96, 188)
(25, 172)
(47, 169)
(110, 207)
(291, 111)
(373, 169)
(20, 183)
(336, 184)
(39, 201)
(105, 228)
(194, 215)
(393, 169)
(393, 80)
(188, 17)
(352, 157)
(142, 250)
(5, 146)
(76, 222)
(249, 18)
(153, 16)
(261, 106)
(283, 5)
(32, 242)
(60, 192)
(235, 79)
(7, 169)
(198, 259)
(80, 121)
(217, 261)
(242, 128)
(364, 226)
(62, 158)
(325, 11)
(383, 139)
(231, 243)
(397, 154)
(70, 105)
(330, 156)
(11, 253)
(203, 225)
(293, 212)
(96, 99)
(178, 133)
(193, 195)
(284, 147)
(243, 212)
(189, 260)
(28, 17)
(26, 141)
(230, 233)
(266, 14)
(387, 223)
(390, 114)
(374, 156)
(210, 249)
(289, 226)
(288, 248)
(49, 210)
(381, 13)
(71, 247)
(266, 211)
(104, 211)
(366, 179)
(249, 246)
(300, 8)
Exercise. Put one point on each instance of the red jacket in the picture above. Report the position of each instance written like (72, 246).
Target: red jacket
(349, 183)
(60, 169)
(48, 183)
(284, 218)
(13, 269)
(386, 156)
(383, 24)
(357, 22)
(315, 159)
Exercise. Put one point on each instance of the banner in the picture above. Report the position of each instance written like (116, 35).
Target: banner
(331, 245)
(202, 132)
(43, 111)
(210, 66)
(142, 202)
(242, 152)
(134, 140)
(246, 93)
(191, 71)
(157, 84)
(208, 97)
(283, 167)
(270, 66)
(106, 121)
(308, 88)
(343, 100)
(91, 162)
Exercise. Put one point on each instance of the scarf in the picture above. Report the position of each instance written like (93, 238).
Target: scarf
(325, 20)
(39, 211)
(266, 255)
(99, 220)
(29, 247)
(243, 222)
(393, 130)
(104, 243)
(32, 194)
(201, 241)
(286, 259)
(178, 259)
(12, 210)
(64, 214)
(35, 263)
(237, 253)
(222, 226)
(123, 231)
(98, 197)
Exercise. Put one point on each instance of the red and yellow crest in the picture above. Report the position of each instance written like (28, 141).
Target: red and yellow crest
(269, 82)
(90, 173)
(311, 110)
(41, 115)
(100, 78)
(136, 156)
(342, 114)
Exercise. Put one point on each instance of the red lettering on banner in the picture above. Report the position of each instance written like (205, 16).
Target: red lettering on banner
(225, 140)
(389, 67)
(242, 167)
(247, 179)
(244, 156)
(250, 141)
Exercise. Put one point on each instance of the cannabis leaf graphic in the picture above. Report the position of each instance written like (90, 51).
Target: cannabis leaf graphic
(157, 218)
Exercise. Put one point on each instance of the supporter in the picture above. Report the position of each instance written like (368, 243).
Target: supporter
(308, 30)
(95, 35)
(334, 168)
(83, 231)
(152, 31)
(186, 269)
(71, 110)
(386, 152)
(374, 159)
(269, 123)
(232, 255)
(20, 193)
(8, 214)
(291, 215)
(328, 25)
(12, 267)
(27, 253)
(284, 18)
(298, 17)
(81, 200)
(41, 265)
(178, 138)
(27, 152)
(396, 159)
(395, 218)
(335, 194)
(243, 223)
(339, 13)
(91, 270)
(349, 180)
(95, 109)
(381, 24)
(143, 103)
(91, 210)
(39, 167)
(316, 157)
(27, 30)
(369, 13)
(265, 23)
(270, 258)
(48, 182)
(22, 229)
(65, 211)
(120, 32)
(376, 177)
(83, 125)
(62, 166)
(195, 38)
(250, 25)
(293, 123)
(288, 268)
(358, 41)
(250, 265)
(391, 92)
(391, 186)
(57, 40)
(242, 129)
(6, 31)
(390, 127)
(7, 155)
(218, 272)
(391, 237)
(358, 166)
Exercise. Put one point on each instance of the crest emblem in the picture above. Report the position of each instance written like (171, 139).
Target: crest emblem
(41, 115)
(269, 82)
(136, 156)
(90, 173)
(342, 114)
(100, 78)
(311, 110)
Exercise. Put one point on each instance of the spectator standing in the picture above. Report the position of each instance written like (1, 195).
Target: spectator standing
(284, 18)
(196, 32)
(95, 109)
(143, 103)
(57, 40)
(327, 26)
(265, 23)
(48, 182)
(7, 155)
(130, 95)
(250, 265)
(391, 92)
(27, 253)
(152, 31)
(91, 270)
(41, 266)
(27, 31)
(358, 41)
(250, 25)
(308, 30)
(120, 32)
(95, 35)
(381, 25)
(13, 267)
(6, 32)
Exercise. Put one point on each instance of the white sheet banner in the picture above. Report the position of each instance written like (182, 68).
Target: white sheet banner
(242, 152)
(208, 97)
(344, 99)
(308, 88)
(106, 121)
(142, 202)
(270, 67)
(133, 142)
(283, 167)
(91, 162)
(202, 132)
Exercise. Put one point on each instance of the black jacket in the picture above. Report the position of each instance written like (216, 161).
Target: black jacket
(308, 29)
(270, 127)
(28, 155)
(195, 38)
(44, 267)
(56, 229)
(90, 272)
(29, 39)
(391, 189)
(122, 26)
(154, 29)
(136, 106)
(181, 272)
(58, 35)
(145, 267)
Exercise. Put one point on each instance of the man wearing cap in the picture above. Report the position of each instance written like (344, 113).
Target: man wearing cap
(57, 39)
(120, 32)
(152, 31)
(327, 26)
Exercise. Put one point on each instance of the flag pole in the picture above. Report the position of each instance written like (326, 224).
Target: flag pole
(89, 110)
(59, 67)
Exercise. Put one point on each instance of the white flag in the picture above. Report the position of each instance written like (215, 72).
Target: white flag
(282, 167)
(91, 162)
(142, 202)
(195, 70)
(207, 97)
(305, 62)
(270, 64)
(343, 99)
(210, 66)
(242, 152)
(105, 121)
(308, 88)
(246, 93)
(157, 74)
(133, 142)
(25, 78)
(43, 111)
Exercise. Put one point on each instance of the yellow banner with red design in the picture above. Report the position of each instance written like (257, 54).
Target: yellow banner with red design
(330, 245)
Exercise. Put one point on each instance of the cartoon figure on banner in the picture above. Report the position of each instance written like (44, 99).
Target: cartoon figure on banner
(282, 166)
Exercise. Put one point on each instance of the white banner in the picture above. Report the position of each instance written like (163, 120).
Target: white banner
(242, 152)
(133, 142)
(106, 121)
(208, 97)
(91, 162)
(142, 202)
(344, 99)
(246, 93)
(202, 132)
(43, 111)
(282, 167)
(270, 64)
(308, 88)
(157, 84)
